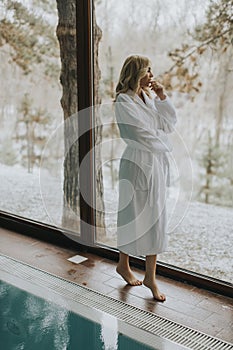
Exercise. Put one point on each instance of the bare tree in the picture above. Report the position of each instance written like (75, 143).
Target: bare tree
(214, 34)
(31, 119)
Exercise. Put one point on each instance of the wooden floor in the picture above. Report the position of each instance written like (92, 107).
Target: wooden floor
(188, 305)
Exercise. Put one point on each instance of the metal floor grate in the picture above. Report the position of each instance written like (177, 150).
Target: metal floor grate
(134, 316)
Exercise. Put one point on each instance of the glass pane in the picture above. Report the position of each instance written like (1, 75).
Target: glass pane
(35, 164)
(195, 68)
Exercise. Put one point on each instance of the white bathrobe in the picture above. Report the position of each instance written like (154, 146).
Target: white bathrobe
(143, 173)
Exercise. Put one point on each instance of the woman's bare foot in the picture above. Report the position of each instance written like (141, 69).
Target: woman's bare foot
(151, 284)
(128, 276)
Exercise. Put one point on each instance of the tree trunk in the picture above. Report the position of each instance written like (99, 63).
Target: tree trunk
(100, 210)
(224, 67)
(66, 33)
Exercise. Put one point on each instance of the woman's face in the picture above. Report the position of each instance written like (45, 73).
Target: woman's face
(144, 82)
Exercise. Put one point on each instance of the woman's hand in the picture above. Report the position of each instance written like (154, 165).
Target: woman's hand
(158, 89)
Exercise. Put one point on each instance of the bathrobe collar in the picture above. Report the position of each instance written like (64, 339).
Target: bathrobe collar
(137, 99)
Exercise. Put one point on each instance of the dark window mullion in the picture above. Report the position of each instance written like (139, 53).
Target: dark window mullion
(85, 119)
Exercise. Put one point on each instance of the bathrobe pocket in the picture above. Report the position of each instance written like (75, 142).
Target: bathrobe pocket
(143, 176)
(137, 173)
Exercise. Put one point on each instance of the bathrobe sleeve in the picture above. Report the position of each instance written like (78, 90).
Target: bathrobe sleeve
(135, 129)
(167, 114)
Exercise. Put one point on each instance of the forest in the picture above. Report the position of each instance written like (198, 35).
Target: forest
(190, 44)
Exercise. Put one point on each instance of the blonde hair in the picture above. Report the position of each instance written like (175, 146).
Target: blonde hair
(134, 68)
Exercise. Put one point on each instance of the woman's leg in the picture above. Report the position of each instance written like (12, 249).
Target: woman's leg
(149, 280)
(124, 270)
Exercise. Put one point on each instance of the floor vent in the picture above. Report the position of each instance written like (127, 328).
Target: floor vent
(150, 322)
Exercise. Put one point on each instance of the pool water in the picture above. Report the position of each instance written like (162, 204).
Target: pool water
(30, 322)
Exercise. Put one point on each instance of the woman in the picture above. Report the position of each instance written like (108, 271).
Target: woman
(145, 115)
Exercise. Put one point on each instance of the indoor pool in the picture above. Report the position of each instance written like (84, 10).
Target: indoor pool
(35, 316)
(41, 311)
(30, 322)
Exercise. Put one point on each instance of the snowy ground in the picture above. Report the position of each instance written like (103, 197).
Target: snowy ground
(202, 242)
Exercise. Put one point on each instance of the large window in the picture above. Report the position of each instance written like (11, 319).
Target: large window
(50, 71)
(39, 151)
(192, 56)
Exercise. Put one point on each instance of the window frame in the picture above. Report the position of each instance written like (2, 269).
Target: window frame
(56, 236)
(85, 101)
